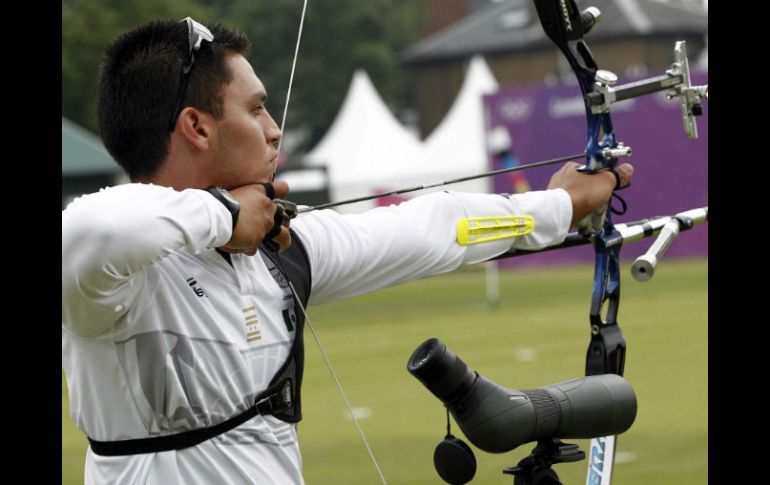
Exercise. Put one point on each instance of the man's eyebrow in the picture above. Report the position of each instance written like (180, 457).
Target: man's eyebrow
(259, 97)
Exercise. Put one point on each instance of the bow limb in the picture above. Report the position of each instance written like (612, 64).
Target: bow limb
(565, 25)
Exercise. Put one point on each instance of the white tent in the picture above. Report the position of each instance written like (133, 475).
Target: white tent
(366, 149)
(457, 146)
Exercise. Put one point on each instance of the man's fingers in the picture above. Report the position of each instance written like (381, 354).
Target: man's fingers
(279, 235)
(269, 190)
(274, 190)
(277, 224)
(283, 240)
(260, 219)
(625, 171)
(281, 189)
(622, 175)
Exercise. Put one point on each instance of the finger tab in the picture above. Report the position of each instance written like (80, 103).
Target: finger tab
(269, 190)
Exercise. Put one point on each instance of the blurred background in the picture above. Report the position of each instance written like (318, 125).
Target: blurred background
(391, 93)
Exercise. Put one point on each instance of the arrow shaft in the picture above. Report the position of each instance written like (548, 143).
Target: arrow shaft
(444, 182)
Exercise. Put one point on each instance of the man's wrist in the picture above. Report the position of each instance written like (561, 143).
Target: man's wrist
(230, 202)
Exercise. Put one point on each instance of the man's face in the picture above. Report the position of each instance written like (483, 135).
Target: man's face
(247, 134)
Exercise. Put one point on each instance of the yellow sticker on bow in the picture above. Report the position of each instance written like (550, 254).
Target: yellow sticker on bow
(475, 230)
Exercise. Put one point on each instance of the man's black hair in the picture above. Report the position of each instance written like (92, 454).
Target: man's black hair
(140, 81)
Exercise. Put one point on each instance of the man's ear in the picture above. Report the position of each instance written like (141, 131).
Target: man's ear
(196, 127)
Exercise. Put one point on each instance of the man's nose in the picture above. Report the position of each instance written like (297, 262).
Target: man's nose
(273, 132)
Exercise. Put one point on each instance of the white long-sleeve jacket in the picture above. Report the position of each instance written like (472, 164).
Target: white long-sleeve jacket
(161, 335)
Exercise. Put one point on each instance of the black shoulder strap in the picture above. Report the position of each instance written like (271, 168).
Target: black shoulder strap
(294, 264)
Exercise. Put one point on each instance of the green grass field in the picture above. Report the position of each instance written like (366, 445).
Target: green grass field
(537, 336)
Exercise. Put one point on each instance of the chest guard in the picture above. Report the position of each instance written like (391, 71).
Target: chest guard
(281, 398)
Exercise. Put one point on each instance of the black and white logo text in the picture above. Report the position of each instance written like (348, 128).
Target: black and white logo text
(197, 289)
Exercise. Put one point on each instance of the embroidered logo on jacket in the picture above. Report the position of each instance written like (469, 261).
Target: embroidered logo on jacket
(252, 331)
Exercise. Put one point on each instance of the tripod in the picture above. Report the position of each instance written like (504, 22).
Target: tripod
(536, 468)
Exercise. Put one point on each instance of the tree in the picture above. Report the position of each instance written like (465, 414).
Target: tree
(88, 27)
(339, 36)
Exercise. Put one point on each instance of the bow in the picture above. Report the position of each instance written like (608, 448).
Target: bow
(566, 26)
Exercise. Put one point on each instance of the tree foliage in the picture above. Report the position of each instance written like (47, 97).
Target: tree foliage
(338, 37)
(88, 27)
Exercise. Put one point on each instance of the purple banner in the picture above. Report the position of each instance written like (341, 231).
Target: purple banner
(671, 170)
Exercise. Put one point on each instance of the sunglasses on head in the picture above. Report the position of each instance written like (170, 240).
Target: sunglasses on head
(196, 34)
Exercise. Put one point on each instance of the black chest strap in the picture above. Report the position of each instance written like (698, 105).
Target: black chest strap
(276, 399)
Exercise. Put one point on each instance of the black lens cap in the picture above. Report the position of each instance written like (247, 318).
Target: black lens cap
(454, 461)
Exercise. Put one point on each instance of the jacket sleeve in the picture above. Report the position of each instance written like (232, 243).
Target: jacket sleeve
(109, 238)
(354, 254)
